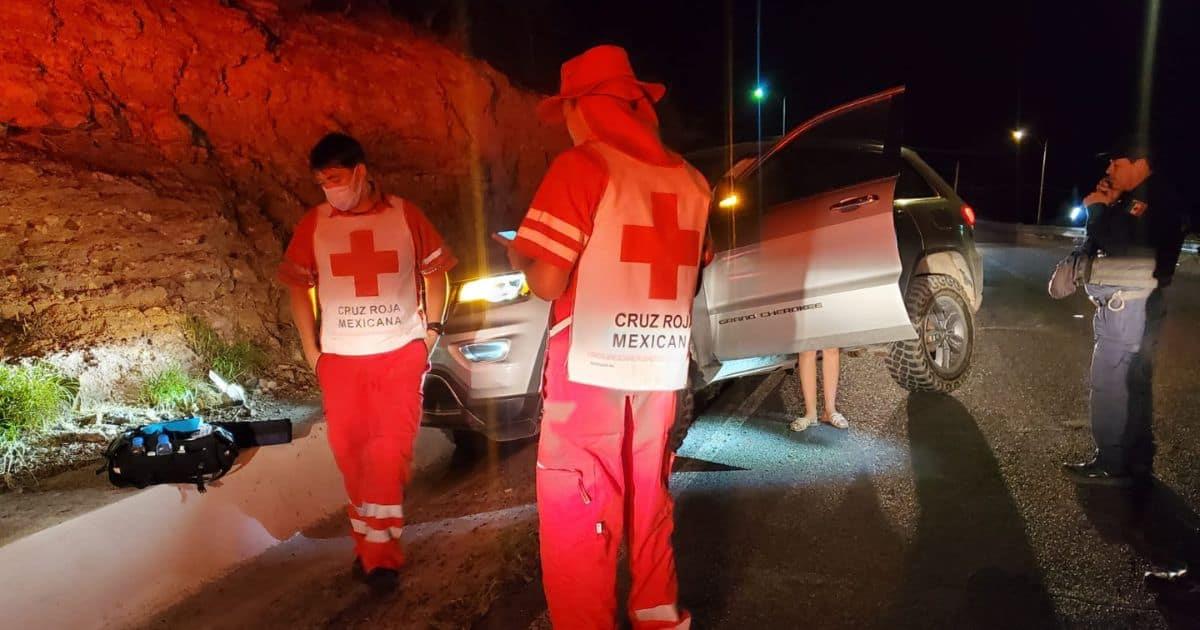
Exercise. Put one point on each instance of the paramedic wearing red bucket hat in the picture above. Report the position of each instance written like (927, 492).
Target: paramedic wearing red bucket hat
(614, 237)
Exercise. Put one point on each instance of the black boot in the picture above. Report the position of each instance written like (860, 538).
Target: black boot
(382, 580)
(1094, 472)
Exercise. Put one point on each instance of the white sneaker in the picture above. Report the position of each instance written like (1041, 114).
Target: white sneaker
(802, 423)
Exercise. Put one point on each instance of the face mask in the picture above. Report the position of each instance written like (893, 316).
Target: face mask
(577, 126)
(346, 197)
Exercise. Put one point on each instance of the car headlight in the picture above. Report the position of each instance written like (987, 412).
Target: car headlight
(486, 351)
(494, 289)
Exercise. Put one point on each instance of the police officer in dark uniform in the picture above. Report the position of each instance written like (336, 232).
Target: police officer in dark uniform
(1135, 231)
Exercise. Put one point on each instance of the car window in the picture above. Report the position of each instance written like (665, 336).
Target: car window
(912, 185)
(716, 162)
(809, 168)
(843, 150)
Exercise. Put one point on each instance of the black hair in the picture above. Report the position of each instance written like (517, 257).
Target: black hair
(336, 149)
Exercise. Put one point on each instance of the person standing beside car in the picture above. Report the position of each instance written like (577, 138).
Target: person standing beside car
(615, 237)
(1135, 232)
(379, 270)
(807, 368)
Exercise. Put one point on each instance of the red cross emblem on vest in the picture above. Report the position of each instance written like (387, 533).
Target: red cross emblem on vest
(364, 263)
(663, 246)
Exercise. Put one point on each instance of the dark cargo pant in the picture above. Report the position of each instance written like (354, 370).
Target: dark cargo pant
(1122, 397)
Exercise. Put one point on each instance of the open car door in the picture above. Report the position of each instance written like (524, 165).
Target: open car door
(806, 244)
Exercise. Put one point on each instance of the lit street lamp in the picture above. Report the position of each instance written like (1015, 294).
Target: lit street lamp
(759, 94)
(1018, 135)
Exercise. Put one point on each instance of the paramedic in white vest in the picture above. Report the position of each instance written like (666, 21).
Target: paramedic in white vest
(379, 270)
(614, 237)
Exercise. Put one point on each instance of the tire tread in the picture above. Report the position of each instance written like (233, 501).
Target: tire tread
(907, 360)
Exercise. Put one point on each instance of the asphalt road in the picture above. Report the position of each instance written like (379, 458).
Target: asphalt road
(946, 511)
(931, 511)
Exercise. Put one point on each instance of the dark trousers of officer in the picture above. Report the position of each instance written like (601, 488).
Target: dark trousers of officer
(1122, 398)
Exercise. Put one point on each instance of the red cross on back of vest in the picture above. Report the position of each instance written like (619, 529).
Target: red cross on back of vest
(364, 264)
(663, 246)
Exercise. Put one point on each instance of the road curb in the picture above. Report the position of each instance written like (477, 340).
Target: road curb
(119, 564)
(992, 231)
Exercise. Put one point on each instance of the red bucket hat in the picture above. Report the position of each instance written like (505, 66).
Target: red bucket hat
(590, 73)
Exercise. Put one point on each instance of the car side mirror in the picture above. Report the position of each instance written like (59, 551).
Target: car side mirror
(740, 167)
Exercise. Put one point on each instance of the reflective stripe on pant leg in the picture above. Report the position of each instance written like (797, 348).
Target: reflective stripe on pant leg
(375, 510)
(374, 534)
(342, 394)
(392, 418)
(579, 497)
(654, 592)
(665, 616)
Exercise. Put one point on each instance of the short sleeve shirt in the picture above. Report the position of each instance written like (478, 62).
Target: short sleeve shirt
(299, 266)
(559, 221)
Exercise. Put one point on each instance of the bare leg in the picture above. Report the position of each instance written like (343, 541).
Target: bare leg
(831, 362)
(808, 382)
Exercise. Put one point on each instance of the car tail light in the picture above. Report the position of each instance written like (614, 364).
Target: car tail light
(968, 215)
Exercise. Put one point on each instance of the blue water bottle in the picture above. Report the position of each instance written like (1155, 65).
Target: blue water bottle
(164, 445)
(138, 445)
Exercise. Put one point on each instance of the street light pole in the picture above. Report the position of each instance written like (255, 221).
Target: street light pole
(783, 130)
(759, 93)
(1018, 135)
(1042, 184)
(1017, 185)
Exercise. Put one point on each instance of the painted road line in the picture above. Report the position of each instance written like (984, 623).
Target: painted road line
(726, 433)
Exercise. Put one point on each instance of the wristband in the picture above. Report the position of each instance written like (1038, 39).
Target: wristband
(436, 327)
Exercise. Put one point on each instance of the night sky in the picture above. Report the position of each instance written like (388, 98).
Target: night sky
(1066, 70)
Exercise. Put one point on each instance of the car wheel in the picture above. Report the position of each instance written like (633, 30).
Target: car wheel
(689, 403)
(469, 443)
(685, 416)
(939, 359)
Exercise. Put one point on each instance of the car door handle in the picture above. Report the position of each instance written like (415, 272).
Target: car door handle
(854, 203)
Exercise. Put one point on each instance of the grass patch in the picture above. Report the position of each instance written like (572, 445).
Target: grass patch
(172, 390)
(14, 457)
(238, 360)
(233, 361)
(32, 398)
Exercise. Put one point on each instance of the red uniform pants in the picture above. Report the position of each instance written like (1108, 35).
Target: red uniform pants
(602, 473)
(373, 411)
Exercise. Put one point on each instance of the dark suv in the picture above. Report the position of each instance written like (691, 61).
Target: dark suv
(832, 236)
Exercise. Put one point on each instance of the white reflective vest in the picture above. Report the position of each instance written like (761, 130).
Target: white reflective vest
(635, 281)
(366, 281)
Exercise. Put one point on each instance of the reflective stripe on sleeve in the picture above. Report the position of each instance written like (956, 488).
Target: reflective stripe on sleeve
(556, 224)
(432, 257)
(545, 242)
(560, 326)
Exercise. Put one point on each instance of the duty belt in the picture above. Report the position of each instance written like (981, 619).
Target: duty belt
(1116, 301)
